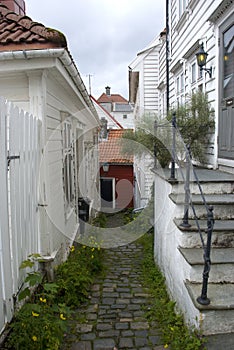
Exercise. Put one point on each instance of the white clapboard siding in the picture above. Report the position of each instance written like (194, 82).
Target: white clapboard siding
(6, 303)
(19, 136)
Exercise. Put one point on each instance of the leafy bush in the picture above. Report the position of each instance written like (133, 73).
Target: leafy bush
(143, 140)
(75, 275)
(195, 122)
(41, 322)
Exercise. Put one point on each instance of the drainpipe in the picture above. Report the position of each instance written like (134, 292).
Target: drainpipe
(167, 55)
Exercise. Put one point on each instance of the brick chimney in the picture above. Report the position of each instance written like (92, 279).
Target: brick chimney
(18, 6)
(107, 90)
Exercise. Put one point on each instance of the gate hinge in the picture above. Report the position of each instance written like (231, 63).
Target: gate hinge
(9, 158)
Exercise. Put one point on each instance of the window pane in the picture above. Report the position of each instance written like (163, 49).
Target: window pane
(228, 61)
(182, 82)
(193, 73)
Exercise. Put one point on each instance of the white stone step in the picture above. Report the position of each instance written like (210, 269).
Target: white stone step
(223, 234)
(223, 205)
(218, 316)
(222, 264)
(207, 188)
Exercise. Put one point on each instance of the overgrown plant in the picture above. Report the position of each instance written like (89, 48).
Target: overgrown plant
(175, 334)
(42, 321)
(143, 140)
(195, 121)
(75, 275)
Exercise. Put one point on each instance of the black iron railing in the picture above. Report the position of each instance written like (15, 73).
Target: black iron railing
(185, 174)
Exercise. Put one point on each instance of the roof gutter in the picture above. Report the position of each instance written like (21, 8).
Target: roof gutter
(67, 61)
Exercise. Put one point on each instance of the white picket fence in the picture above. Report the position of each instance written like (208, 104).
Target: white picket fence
(19, 172)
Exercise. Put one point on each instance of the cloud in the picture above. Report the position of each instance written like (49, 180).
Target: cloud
(103, 36)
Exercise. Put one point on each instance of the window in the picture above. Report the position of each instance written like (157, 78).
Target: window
(125, 116)
(182, 6)
(68, 164)
(180, 88)
(182, 82)
(228, 62)
(194, 73)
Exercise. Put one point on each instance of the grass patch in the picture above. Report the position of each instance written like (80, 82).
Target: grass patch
(175, 334)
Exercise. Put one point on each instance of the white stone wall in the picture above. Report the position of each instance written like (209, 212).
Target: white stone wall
(166, 253)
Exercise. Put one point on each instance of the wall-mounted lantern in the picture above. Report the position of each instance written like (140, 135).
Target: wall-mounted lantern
(201, 60)
(105, 167)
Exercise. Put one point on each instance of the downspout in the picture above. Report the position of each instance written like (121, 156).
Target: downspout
(167, 56)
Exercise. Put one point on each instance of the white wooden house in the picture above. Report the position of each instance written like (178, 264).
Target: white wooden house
(178, 249)
(38, 75)
(118, 107)
(144, 94)
(103, 114)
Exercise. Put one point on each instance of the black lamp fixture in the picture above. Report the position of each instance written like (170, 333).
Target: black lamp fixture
(201, 60)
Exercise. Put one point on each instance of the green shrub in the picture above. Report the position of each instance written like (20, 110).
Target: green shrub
(195, 121)
(42, 321)
(75, 275)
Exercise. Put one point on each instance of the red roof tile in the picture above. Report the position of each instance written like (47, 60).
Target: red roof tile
(113, 98)
(20, 32)
(111, 150)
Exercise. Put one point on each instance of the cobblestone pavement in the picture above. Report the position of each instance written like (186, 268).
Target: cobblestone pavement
(115, 317)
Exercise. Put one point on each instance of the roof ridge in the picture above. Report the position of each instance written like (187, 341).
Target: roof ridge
(109, 115)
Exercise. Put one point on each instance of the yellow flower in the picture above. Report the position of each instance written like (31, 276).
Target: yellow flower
(165, 346)
(72, 248)
(34, 338)
(84, 246)
(35, 314)
(43, 300)
(62, 317)
(93, 249)
(92, 256)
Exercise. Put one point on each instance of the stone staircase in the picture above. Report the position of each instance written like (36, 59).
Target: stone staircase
(218, 188)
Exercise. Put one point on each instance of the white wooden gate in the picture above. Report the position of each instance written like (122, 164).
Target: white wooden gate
(19, 173)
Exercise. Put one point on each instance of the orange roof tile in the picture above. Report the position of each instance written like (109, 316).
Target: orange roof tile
(113, 98)
(20, 32)
(111, 150)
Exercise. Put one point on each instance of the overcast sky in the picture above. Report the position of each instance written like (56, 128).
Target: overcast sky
(104, 36)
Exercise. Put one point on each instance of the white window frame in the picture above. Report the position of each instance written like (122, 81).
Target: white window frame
(182, 4)
(180, 88)
(68, 165)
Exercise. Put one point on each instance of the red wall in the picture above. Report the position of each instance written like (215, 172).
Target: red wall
(124, 184)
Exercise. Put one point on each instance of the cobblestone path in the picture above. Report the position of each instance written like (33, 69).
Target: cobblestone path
(115, 317)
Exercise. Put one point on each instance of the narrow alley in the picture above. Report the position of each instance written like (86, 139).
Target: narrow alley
(115, 317)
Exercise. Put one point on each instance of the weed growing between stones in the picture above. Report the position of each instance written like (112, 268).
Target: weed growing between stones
(176, 335)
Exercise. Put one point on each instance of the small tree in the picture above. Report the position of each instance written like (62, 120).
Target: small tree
(144, 139)
(195, 121)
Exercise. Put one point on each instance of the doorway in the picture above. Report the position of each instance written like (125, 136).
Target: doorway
(107, 192)
(226, 111)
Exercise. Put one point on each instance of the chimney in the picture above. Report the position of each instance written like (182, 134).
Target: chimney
(18, 6)
(107, 90)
